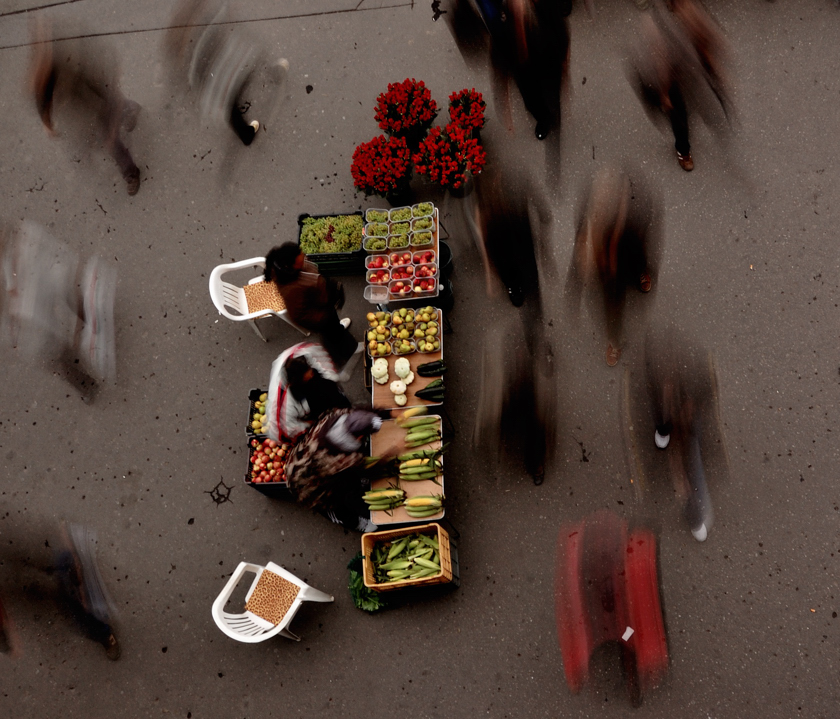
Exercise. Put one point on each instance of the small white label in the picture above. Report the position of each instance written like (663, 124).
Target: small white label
(627, 634)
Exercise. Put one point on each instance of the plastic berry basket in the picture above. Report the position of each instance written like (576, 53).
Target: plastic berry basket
(395, 293)
(400, 214)
(374, 214)
(371, 274)
(395, 347)
(376, 229)
(371, 259)
(388, 349)
(399, 242)
(423, 224)
(417, 291)
(422, 257)
(397, 258)
(375, 245)
(422, 209)
(422, 239)
(403, 272)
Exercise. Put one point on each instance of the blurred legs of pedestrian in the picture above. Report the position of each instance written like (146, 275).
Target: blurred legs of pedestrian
(65, 556)
(55, 308)
(83, 73)
(678, 116)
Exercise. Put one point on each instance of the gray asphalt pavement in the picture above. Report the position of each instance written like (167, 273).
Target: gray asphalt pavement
(750, 268)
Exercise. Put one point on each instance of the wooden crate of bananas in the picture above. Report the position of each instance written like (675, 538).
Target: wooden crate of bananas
(415, 491)
(409, 557)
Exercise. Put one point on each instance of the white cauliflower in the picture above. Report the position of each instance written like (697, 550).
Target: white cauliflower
(402, 368)
(400, 399)
(398, 387)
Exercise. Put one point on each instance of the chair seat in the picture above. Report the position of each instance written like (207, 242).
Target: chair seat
(263, 296)
(272, 597)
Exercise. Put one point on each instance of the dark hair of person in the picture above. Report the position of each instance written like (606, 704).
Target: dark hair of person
(320, 393)
(280, 263)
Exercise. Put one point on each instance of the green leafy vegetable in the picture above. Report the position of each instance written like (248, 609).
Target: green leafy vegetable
(363, 598)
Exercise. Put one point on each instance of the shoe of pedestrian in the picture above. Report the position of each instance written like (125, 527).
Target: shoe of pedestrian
(686, 161)
(538, 476)
(130, 112)
(700, 533)
(132, 182)
(645, 283)
(256, 125)
(613, 355)
(345, 323)
(112, 647)
(542, 129)
(661, 440)
(516, 295)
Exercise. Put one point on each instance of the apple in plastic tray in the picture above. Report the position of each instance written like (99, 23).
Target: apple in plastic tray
(377, 262)
(379, 277)
(425, 271)
(403, 272)
(400, 258)
(424, 257)
(400, 288)
(425, 284)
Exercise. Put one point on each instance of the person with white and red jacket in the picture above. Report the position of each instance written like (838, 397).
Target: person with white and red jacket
(303, 385)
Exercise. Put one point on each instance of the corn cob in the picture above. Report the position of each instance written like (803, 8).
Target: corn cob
(424, 501)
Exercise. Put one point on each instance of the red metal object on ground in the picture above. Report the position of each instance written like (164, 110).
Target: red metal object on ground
(607, 590)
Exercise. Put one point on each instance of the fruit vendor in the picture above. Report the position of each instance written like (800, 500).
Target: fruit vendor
(327, 470)
(303, 385)
(311, 300)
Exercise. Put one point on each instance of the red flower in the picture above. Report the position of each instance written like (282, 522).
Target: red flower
(406, 107)
(381, 165)
(447, 155)
(466, 109)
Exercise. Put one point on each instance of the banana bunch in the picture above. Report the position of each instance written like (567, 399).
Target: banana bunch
(415, 556)
(423, 506)
(383, 500)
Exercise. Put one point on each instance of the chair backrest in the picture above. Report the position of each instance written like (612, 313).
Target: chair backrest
(224, 295)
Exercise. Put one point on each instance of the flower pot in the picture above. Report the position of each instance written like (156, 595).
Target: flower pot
(402, 195)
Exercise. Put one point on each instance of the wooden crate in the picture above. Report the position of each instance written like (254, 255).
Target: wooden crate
(371, 539)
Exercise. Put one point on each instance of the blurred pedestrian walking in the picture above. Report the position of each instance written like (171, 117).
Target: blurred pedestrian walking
(681, 384)
(617, 246)
(680, 68)
(54, 306)
(517, 405)
(218, 60)
(61, 559)
(82, 75)
(530, 44)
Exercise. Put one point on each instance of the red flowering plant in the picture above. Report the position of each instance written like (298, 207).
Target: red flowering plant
(406, 109)
(381, 165)
(466, 109)
(448, 155)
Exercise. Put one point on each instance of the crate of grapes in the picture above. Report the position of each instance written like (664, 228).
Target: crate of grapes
(333, 242)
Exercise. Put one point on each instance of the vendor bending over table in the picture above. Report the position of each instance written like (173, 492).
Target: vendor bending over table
(312, 300)
(327, 471)
(303, 386)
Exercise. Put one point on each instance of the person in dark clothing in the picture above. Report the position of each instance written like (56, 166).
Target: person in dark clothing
(311, 300)
(83, 73)
(680, 67)
(616, 247)
(530, 44)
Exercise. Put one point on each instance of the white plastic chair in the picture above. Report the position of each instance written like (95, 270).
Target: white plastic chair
(226, 295)
(248, 627)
